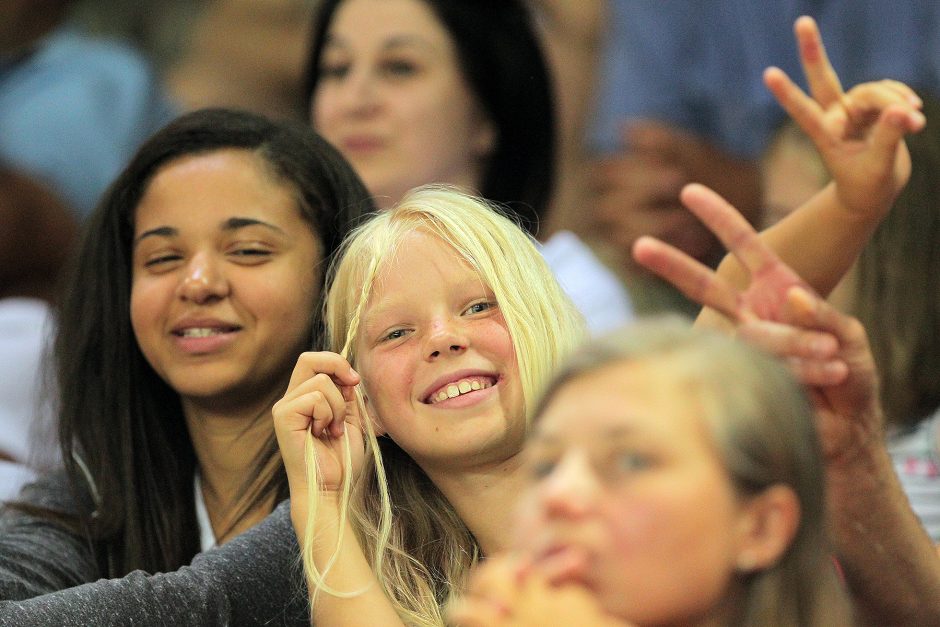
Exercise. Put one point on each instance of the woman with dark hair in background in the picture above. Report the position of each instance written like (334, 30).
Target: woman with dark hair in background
(197, 283)
(414, 92)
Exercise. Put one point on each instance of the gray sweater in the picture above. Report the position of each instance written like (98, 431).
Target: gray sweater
(48, 576)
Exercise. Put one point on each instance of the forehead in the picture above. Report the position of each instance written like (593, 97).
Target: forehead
(421, 259)
(420, 273)
(385, 21)
(640, 400)
(212, 186)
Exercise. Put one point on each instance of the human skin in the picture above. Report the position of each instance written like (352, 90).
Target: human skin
(617, 502)
(224, 279)
(392, 99)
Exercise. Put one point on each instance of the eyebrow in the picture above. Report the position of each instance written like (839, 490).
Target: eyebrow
(610, 433)
(232, 224)
(380, 309)
(396, 41)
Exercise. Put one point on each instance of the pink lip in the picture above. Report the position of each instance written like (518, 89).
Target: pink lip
(204, 345)
(362, 143)
(453, 377)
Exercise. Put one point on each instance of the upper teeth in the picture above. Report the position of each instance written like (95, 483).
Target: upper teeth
(202, 332)
(455, 389)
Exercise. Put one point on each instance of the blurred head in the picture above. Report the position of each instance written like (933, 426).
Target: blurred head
(215, 235)
(674, 496)
(435, 91)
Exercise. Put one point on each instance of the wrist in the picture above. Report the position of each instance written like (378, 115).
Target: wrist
(873, 210)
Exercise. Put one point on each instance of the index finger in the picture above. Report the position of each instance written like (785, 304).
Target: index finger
(822, 79)
(698, 282)
(729, 226)
(311, 363)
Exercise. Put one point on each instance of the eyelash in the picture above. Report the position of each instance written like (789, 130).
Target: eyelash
(161, 260)
(487, 305)
(388, 336)
(247, 254)
(395, 68)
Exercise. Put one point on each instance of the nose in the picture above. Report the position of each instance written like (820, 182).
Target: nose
(202, 280)
(445, 338)
(361, 94)
(569, 491)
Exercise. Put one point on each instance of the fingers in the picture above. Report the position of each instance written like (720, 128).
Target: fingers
(788, 341)
(892, 125)
(475, 612)
(822, 79)
(722, 219)
(332, 364)
(805, 111)
(809, 311)
(692, 278)
(862, 101)
(319, 397)
(813, 356)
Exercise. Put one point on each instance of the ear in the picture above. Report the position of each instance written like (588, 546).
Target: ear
(769, 522)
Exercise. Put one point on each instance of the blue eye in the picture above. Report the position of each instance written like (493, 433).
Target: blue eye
(541, 468)
(479, 307)
(394, 335)
(627, 462)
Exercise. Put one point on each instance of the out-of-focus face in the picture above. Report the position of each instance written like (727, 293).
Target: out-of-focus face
(630, 499)
(224, 278)
(437, 360)
(392, 99)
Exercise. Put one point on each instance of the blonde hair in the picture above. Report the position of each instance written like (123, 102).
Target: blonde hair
(763, 426)
(422, 554)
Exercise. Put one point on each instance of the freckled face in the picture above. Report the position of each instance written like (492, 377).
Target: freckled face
(437, 359)
(630, 498)
(392, 98)
(225, 275)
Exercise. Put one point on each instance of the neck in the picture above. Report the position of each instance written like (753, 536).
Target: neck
(485, 499)
(227, 449)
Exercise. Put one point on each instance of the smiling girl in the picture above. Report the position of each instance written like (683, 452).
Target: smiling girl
(196, 285)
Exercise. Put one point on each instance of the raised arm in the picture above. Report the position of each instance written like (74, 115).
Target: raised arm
(319, 410)
(890, 565)
(859, 135)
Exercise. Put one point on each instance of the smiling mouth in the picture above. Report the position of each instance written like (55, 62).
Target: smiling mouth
(205, 331)
(460, 387)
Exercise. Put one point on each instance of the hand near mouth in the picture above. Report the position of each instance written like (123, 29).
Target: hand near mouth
(504, 592)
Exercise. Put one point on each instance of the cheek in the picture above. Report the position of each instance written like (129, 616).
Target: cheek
(322, 109)
(147, 305)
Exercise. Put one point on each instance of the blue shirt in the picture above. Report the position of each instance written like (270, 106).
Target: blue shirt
(74, 110)
(698, 64)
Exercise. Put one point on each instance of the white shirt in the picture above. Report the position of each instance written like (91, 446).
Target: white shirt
(596, 291)
(207, 539)
(24, 323)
